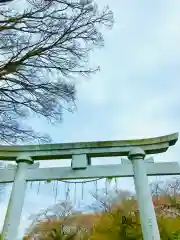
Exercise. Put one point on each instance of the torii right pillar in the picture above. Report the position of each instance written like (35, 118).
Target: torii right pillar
(147, 213)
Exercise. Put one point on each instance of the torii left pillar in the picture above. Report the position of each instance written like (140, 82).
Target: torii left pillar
(16, 201)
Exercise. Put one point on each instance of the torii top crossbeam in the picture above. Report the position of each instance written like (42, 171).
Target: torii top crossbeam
(91, 149)
(80, 153)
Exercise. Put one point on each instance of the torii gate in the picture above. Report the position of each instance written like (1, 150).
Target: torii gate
(81, 168)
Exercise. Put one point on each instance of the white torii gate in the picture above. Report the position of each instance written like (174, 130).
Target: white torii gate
(81, 168)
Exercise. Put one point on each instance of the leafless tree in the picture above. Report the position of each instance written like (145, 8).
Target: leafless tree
(171, 187)
(105, 200)
(166, 196)
(54, 216)
(5, 1)
(43, 50)
(60, 210)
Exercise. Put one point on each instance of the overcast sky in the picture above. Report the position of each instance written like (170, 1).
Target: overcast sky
(136, 93)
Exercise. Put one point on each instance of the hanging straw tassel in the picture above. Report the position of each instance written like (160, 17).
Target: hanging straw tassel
(82, 191)
(116, 185)
(75, 193)
(106, 186)
(38, 188)
(96, 184)
(56, 191)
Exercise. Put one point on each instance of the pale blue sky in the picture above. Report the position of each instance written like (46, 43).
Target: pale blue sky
(136, 93)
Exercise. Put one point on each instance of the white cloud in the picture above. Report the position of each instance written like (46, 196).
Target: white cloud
(93, 91)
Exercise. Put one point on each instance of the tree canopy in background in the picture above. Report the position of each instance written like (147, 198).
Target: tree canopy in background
(43, 50)
(116, 219)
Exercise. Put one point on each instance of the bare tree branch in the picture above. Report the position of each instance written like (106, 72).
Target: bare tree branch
(52, 222)
(43, 49)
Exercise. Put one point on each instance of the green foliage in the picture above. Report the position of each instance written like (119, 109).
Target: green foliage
(176, 235)
(118, 226)
(121, 219)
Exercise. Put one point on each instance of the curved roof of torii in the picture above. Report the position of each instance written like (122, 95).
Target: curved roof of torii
(91, 149)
